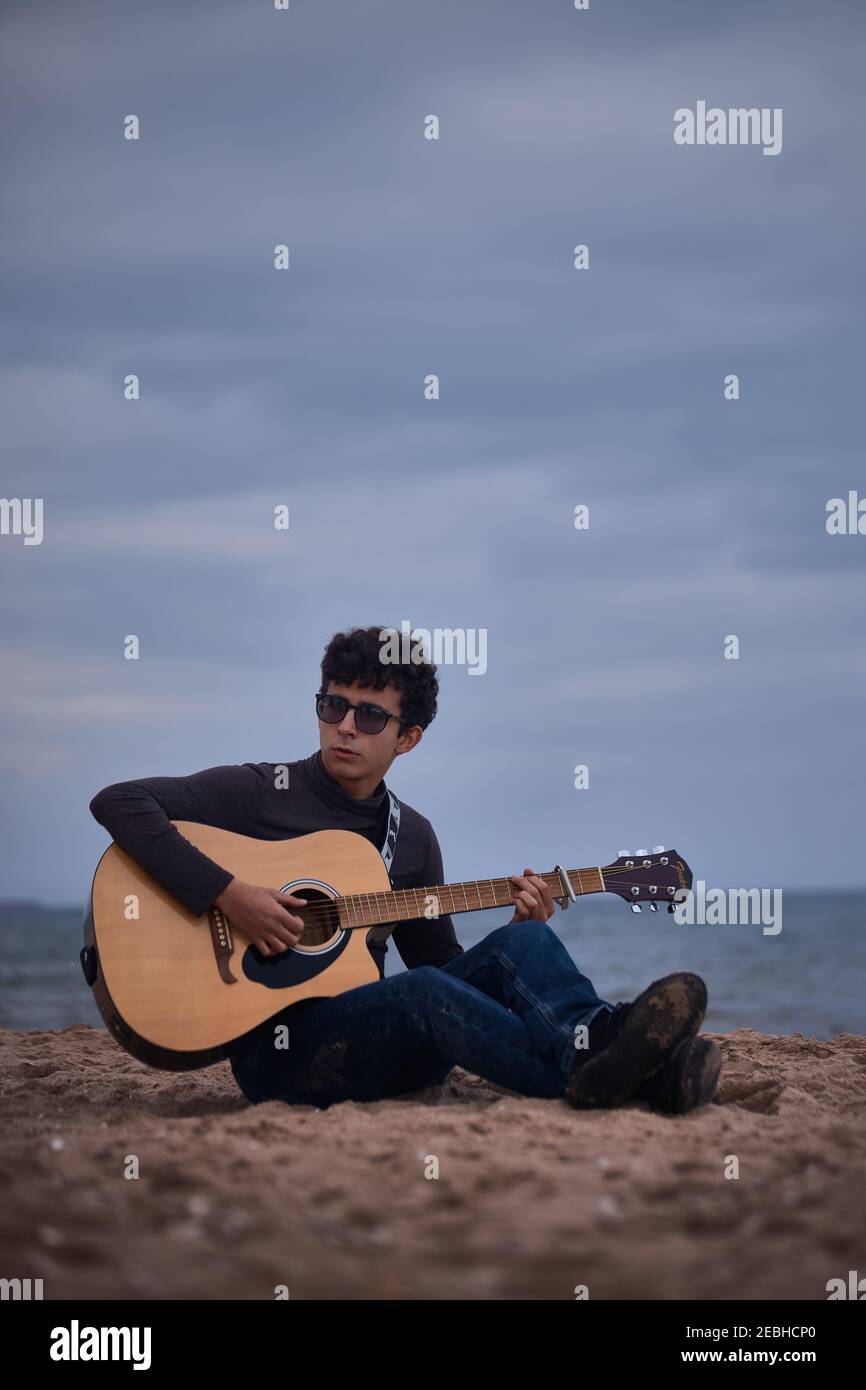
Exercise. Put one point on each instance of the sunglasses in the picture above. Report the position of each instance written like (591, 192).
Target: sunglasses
(369, 719)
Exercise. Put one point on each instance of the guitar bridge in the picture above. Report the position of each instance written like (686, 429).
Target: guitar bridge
(221, 939)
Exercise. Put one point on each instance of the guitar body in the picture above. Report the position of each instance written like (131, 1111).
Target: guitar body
(179, 991)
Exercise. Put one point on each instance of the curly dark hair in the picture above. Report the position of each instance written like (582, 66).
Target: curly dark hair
(354, 658)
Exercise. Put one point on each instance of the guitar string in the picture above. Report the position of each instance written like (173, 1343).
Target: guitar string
(323, 910)
(318, 914)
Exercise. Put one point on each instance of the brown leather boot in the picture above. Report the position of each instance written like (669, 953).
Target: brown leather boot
(687, 1079)
(632, 1044)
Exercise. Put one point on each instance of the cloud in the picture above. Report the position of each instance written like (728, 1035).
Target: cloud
(411, 257)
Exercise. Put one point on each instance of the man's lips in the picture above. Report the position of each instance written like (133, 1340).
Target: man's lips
(345, 752)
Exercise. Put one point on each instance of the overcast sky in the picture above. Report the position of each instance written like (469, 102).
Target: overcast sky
(453, 256)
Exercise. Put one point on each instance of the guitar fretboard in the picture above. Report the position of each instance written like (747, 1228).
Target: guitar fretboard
(405, 904)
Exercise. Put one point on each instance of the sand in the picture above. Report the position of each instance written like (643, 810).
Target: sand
(533, 1198)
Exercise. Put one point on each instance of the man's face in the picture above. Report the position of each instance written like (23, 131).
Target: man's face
(351, 756)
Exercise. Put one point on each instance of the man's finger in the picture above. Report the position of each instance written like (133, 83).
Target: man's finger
(538, 902)
(545, 890)
(546, 895)
(290, 919)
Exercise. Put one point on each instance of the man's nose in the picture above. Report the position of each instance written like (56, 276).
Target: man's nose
(347, 723)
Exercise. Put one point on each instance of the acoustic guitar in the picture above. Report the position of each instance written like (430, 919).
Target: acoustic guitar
(180, 992)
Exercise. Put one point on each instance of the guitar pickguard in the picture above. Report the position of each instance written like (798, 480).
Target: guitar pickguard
(293, 967)
(315, 954)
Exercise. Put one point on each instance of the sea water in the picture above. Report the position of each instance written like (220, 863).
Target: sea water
(810, 978)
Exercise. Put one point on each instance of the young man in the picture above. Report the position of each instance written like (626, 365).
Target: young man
(509, 1010)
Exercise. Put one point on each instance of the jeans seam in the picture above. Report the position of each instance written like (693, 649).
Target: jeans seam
(537, 1004)
(566, 1031)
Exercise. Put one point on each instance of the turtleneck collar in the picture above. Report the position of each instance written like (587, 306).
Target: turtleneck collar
(330, 791)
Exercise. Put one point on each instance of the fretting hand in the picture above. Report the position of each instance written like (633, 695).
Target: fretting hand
(534, 900)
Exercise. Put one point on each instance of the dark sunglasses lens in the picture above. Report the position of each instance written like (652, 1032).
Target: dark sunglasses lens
(369, 720)
(331, 710)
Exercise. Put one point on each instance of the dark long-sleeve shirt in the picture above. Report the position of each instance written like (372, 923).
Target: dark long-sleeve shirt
(246, 798)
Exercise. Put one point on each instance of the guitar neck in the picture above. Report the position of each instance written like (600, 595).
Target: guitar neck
(405, 904)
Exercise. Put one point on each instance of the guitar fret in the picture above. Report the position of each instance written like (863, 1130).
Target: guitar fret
(404, 904)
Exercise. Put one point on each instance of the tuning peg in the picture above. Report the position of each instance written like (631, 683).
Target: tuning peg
(658, 849)
(635, 907)
(639, 853)
(654, 907)
(623, 853)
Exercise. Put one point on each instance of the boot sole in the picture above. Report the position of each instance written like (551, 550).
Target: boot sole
(668, 1011)
(688, 1080)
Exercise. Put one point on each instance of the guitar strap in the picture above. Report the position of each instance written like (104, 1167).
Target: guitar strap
(387, 850)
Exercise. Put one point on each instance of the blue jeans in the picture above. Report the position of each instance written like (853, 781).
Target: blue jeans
(505, 1010)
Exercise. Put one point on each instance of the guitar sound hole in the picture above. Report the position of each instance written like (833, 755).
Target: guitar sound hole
(322, 922)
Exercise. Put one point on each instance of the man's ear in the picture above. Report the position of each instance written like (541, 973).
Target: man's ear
(409, 739)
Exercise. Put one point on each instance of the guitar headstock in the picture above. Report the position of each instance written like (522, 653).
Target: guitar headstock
(662, 876)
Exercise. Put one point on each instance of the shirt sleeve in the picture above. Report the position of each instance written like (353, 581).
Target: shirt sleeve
(427, 941)
(138, 816)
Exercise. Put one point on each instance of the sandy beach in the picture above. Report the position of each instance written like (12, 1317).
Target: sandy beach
(533, 1198)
